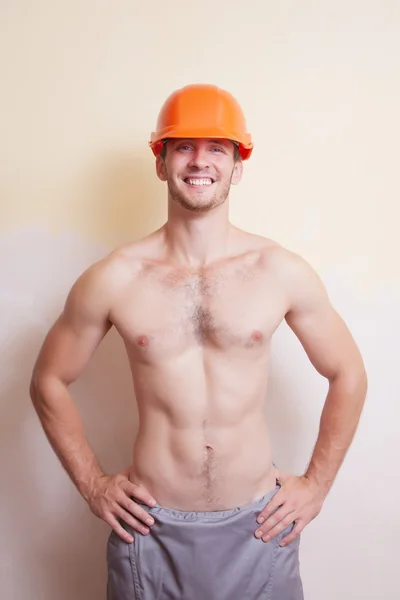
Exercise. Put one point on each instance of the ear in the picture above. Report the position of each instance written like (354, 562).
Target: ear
(160, 168)
(237, 172)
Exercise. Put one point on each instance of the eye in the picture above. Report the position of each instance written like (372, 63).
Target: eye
(218, 149)
(184, 147)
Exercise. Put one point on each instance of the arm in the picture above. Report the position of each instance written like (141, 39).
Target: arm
(64, 355)
(334, 353)
(66, 351)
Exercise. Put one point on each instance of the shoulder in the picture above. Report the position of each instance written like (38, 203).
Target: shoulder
(294, 274)
(302, 285)
(101, 281)
(284, 262)
(273, 255)
(133, 255)
(123, 263)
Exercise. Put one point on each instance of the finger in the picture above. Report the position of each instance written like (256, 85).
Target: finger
(273, 519)
(131, 521)
(277, 530)
(297, 529)
(119, 530)
(139, 492)
(278, 517)
(275, 525)
(136, 510)
(277, 501)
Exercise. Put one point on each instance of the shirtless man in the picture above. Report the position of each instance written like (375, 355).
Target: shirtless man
(196, 303)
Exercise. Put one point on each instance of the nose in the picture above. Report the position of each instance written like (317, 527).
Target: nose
(199, 158)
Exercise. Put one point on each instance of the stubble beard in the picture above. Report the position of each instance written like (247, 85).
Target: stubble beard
(198, 204)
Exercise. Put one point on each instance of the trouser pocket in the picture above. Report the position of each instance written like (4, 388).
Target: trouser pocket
(120, 582)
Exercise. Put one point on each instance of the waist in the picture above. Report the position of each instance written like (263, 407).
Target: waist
(193, 474)
(211, 515)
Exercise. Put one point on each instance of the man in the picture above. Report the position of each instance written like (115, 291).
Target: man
(196, 303)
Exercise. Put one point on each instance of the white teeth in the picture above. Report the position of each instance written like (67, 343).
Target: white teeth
(199, 181)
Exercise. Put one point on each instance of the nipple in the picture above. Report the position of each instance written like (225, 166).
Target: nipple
(257, 336)
(143, 340)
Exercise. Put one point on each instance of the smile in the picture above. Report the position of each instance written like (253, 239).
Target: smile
(197, 182)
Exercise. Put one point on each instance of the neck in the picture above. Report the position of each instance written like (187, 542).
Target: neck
(195, 239)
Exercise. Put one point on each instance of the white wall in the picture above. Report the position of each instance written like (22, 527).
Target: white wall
(82, 83)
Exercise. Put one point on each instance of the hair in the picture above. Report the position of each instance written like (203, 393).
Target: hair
(236, 152)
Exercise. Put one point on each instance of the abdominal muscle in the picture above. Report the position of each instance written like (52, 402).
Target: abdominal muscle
(207, 457)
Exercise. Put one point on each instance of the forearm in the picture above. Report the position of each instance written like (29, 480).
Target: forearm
(64, 429)
(339, 420)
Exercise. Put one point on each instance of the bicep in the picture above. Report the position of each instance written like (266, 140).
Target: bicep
(75, 335)
(322, 332)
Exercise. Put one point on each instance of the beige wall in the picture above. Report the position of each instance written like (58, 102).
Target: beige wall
(82, 83)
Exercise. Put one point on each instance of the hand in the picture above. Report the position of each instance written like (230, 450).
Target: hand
(299, 500)
(110, 499)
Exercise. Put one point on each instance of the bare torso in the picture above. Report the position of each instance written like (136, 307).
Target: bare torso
(198, 343)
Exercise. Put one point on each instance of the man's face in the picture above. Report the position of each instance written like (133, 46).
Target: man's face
(199, 172)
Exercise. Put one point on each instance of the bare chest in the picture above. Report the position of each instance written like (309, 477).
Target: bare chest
(169, 312)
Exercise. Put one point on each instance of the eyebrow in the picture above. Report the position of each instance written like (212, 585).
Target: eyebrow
(221, 142)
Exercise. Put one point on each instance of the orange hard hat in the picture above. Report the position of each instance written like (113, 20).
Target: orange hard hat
(201, 111)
